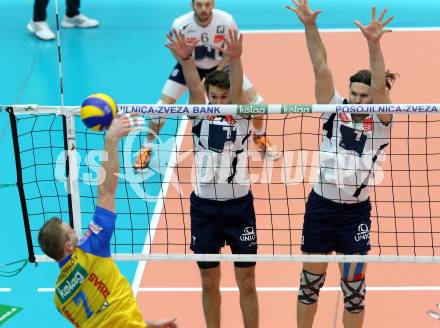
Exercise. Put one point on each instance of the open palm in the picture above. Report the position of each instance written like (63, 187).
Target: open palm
(234, 45)
(305, 14)
(376, 29)
(179, 46)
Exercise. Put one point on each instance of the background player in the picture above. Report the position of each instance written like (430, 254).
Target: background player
(222, 210)
(90, 290)
(338, 209)
(209, 27)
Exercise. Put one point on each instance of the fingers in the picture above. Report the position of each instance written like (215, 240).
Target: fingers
(171, 39)
(373, 14)
(382, 15)
(292, 9)
(176, 35)
(233, 37)
(358, 24)
(136, 122)
(194, 43)
(219, 48)
(132, 121)
(317, 12)
(388, 20)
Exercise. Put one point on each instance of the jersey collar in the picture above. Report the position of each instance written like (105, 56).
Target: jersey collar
(64, 260)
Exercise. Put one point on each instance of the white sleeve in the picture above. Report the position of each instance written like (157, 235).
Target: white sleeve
(176, 25)
(380, 128)
(336, 99)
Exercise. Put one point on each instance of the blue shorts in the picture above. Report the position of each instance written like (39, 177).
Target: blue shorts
(217, 223)
(177, 73)
(330, 226)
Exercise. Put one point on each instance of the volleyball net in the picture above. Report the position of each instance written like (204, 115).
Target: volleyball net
(57, 162)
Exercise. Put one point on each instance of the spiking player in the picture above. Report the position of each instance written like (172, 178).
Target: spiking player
(222, 210)
(209, 26)
(90, 291)
(338, 209)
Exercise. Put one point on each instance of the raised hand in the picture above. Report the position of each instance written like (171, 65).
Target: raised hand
(305, 14)
(234, 45)
(168, 323)
(123, 124)
(179, 46)
(375, 30)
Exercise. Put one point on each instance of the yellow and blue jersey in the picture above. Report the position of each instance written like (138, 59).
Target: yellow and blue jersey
(90, 290)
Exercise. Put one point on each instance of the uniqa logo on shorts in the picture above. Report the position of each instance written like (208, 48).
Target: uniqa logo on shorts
(363, 232)
(71, 284)
(248, 235)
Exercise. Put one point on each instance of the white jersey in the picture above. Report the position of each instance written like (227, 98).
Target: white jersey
(205, 55)
(348, 155)
(220, 146)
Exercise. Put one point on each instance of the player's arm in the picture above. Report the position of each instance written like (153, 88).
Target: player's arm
(324, 86)
(108, 174)
(221, 65)
(182, 50)
(96, 240)
(373, 33)
(233, 50)
(230, 25)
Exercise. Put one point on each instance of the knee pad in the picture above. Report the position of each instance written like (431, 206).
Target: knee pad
(310, 285)
(354, 295)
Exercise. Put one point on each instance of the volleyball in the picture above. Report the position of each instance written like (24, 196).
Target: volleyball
(97, 111)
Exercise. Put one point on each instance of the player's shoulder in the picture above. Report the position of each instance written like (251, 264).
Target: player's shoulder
(222, 15)
(338, 99)
(183, 20)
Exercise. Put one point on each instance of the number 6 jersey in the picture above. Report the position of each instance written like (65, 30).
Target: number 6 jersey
(204, 54)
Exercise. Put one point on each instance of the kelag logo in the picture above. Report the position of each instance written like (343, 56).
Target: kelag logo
(71, 284)
(286, 109)
(252, 109)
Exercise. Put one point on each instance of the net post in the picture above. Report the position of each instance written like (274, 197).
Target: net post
(73, 196)
(20, 187)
